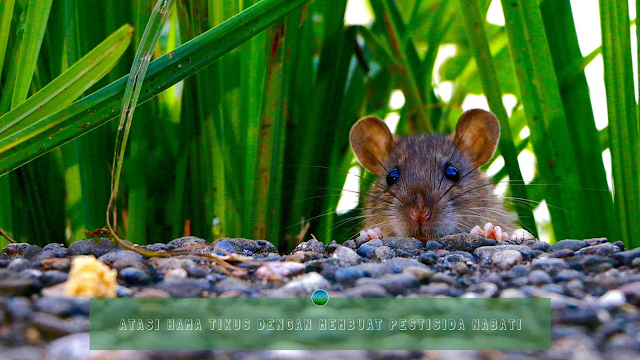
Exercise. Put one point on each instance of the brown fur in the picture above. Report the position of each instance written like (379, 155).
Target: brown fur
(447, 207)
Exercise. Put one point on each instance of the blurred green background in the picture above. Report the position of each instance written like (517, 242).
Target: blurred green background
(243, 131)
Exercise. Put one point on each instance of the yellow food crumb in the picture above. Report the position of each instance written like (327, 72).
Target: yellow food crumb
(92, 278)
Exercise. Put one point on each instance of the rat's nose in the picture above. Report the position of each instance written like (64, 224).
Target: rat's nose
(419, 215)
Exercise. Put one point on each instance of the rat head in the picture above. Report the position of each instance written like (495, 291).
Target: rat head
(429, 186)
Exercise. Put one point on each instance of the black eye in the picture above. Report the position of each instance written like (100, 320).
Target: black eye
(392, 177)
(451, 173)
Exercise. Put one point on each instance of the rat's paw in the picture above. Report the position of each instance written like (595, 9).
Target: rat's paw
(490, 232)
(372, 233)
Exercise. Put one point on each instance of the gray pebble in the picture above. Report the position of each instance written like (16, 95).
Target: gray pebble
(549, 265)
(429, 258)
(91, 247)
(384, 253)
(505, 259)
(486, 252)
(539, 277)
(223, 247)
(410, 245)
(133, 276)
(120, 255)
(308, 283)
(395, 284)
(311, 245)
(433, 245)
(466, 242)
(365, 291)
(71, 347)
(53, 277)
(18, 264)
(366, 251)
(562, 253)
(184, 288)
(349, 275)
(186, 241)
(461, 268)
(346, 256)
(606, 249)
(626, 257)
(568, 275)
(574, 245)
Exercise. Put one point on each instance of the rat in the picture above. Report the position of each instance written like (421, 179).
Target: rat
(430, 185)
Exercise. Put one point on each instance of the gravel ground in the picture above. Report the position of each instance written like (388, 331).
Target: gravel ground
(594, 286)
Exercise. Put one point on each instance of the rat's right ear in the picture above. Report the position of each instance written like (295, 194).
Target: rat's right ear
(372, 142)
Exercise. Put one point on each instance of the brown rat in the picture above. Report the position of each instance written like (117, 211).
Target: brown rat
(430, 185)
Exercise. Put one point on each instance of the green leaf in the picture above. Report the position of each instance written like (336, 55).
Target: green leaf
(33, 116)
(100, 107)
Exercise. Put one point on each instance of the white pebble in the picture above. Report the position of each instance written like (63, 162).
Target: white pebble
(522, 234)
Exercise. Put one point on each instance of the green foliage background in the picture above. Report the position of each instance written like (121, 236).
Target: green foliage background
(243, 118)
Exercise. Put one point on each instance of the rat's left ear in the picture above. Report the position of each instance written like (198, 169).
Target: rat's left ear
(477, 135)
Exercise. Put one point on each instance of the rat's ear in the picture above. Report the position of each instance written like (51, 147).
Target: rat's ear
(372, 142)
(477, 135)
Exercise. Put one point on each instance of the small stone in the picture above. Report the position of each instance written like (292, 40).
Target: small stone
(224, 247)
(366, 291)
(18, 286)
(366, 251)
(349, 275)
(123, 292)
(18, 264)
(562, 253)
(346, 256)
(549, 265)
(362, 239)
(175, 274)
(568, 275)
(397, 265)
(91, 247)
(120, 255)
(444, 278)
(484, 290)
(351, 244)
(198, 272)
(537, 245)
(278, 270)
(384, 253)
(395, 284)
(152, 293)
(231, 283)
(15, 249)
(574, 245)
(412, 246)
(53, 277)
(612, 299)
(512, 294)
(420, 273)
(429, 258)
(308, 283)
(63, 306)
(461, 268)
(440, 289)
(433, 245)
(606, 249)
(57, 264)
(595, 241)
(466, 242)
(184, 288)
(133, 275)
(505, 259)
(636, 262)
(486, 252)
(522, 234)
(311, 245)
(163, 265)
(631, 291)
(584, 316)
(186, 241)
(620, 245)
(71, 347)
(626, 257)
(539, 277)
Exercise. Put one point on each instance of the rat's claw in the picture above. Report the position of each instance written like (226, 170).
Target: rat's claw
(490, 231)
(372, 233)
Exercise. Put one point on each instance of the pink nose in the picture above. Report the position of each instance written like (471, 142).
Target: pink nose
(419, 216)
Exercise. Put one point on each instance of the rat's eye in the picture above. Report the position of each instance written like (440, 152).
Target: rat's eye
(451, 173)
(392, 177)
